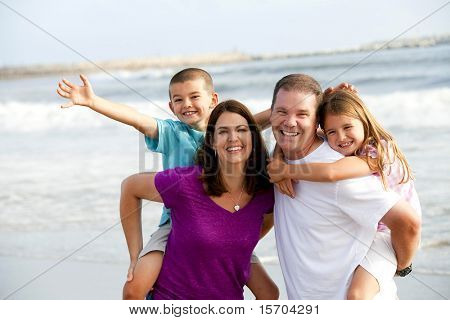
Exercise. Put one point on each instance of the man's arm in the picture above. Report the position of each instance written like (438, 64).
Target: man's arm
(263, 119)
(85, 96)
(405, 227)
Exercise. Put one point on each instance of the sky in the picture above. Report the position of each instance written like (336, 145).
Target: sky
(105, 30)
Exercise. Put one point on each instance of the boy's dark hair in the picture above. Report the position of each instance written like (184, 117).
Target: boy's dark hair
(299, 82)
(192, 74)
(256, 177)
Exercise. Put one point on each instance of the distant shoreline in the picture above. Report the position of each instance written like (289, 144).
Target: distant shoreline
(203, 59)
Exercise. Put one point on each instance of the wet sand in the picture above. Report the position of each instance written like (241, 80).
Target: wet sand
(103, 281)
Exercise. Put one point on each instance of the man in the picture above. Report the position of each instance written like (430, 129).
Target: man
(326, 230)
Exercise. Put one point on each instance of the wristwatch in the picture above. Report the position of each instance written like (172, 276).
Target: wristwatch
(404, 272)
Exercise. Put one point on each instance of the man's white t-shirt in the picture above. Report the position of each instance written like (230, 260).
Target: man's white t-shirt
(325, 232)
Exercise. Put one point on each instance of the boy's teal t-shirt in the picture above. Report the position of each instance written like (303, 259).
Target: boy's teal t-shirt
(178, 144)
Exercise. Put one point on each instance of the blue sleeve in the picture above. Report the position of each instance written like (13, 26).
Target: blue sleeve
(167, 133)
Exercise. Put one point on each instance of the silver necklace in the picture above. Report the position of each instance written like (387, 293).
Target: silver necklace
(236, 203)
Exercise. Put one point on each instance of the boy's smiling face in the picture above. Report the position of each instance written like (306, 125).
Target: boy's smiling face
(192, 103)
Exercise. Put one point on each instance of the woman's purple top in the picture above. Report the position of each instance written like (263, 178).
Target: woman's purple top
(209, 248)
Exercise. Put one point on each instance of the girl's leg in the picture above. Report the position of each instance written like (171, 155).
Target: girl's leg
(260, 283)
(364, 286)
(144, 277)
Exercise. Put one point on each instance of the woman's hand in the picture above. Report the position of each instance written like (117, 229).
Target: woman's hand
(78, 95)
(131, 270)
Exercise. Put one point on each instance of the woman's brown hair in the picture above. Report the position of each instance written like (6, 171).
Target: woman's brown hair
(256, 177)
(343, 102)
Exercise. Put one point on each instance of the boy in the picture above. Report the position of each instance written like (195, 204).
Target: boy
(192, 99)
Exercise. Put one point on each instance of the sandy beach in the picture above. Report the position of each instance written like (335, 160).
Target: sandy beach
(74, 280)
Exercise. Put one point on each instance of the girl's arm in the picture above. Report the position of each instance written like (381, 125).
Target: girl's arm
(345, 168)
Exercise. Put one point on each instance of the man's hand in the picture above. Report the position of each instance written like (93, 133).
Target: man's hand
(341, 86)
(131, 270)
(78, 95)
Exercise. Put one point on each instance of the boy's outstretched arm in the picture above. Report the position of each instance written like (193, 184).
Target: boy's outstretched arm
(85, 96)
(263, 119)
(405, 227)
(135, 188)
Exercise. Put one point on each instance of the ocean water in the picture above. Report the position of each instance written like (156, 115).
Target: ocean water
(61, 169)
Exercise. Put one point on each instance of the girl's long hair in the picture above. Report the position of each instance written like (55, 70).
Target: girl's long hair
(343, 102)
(256, 177)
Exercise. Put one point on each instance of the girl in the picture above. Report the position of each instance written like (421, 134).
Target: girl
(368, 149)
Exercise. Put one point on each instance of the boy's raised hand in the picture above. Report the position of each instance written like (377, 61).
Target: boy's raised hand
(342, 86)
(78, 95)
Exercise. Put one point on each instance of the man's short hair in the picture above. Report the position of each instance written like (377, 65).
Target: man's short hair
(192, 74)
(301, 83)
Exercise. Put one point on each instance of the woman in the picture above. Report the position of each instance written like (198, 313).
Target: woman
(217, 209)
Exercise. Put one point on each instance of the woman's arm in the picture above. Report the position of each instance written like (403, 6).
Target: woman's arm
(134, 188)
(267, 225)
(345, 168)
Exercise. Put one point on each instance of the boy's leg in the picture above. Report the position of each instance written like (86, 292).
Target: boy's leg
(364, 286)
(260, 283)
(145, 274)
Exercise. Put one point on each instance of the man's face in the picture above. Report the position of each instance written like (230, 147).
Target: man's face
(294, 122)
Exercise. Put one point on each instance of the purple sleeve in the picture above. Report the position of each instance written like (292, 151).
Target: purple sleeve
(167, 183)
(171, 183)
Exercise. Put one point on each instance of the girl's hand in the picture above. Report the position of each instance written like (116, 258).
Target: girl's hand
(286, 186)
(83, 96)
(277, 170)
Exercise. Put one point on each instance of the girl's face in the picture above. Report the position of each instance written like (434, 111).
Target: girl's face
(345, 134)
(232, 138)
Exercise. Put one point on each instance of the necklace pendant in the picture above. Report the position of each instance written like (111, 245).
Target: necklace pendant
(236, 207)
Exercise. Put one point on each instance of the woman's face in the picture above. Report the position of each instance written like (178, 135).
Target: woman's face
(232, 138)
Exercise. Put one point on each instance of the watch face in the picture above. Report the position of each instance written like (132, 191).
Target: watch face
(404, 272)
